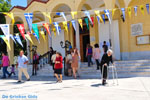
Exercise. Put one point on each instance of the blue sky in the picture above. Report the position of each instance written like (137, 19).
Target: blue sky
(19, 3)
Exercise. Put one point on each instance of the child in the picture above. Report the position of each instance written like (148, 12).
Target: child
(68, 63)
(12, 69)
(58, 67)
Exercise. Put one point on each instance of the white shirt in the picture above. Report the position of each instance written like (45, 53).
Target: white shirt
(21, 61)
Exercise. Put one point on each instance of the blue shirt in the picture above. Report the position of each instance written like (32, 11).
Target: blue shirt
(21, 61)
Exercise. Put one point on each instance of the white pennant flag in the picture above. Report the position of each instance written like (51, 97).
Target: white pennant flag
(17, 37)
(6, 30)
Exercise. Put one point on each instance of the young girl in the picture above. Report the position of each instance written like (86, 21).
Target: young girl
(58, 67)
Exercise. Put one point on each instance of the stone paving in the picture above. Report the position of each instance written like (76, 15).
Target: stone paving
(87, 87)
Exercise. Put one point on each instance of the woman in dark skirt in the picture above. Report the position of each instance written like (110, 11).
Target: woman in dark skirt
(107, 57)
(35, 63)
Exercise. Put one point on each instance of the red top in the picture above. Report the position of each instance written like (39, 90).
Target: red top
(59, 65)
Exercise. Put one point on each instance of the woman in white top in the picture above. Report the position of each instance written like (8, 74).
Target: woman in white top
(96, 55)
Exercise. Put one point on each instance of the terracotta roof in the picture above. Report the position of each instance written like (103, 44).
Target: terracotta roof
(23, 8)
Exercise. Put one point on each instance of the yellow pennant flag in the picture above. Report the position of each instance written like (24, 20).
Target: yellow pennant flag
(7, 42)
(54, 30)
(73, 13)
(81, 23)
(29, 38)
(65, 26)
(142, 9)
(47, 14)
(97, 12)
(11, 16)
(129, 11)
(43, 35)
(113, 12)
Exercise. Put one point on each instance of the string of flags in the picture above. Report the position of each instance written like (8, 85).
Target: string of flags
(55, 26)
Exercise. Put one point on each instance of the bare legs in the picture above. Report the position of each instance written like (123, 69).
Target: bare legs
(59, 78)
(74, 72)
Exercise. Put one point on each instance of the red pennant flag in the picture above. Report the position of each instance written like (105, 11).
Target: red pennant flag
(21, 29)
(46, 26)
(92, 20)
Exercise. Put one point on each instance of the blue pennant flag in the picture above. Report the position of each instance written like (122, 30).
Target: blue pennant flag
(135, 10)
(147, 6)
(74, 24)
(68, 25)
(108, 15)
(11, 36)
(62, 14)
(29, 18)
(98, 19)
(17, 38)
(57, 27)
(36, 36)
(123, 13)
(103, 16)
(88, 15)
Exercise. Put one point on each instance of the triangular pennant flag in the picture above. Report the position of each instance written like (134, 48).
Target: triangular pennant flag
(62, 14)
(80, 23)
(57, 27)
(74, 24)
(92, 20)
(17, 38)
(103, 16)
(98, 19)
(43, 35)
(29, 18)
(123, 13)
(47, 27)
(11, 16)
(54, 30)
(36, 37)
(108, 15)
(47, 14)
(65, 26)
(6, 41)
(6, 30)
(113, 12)
(21, 29)
(29, 38)
(97, 12)
(129, 11)
(135, 10)
(147, 7)
(88, 15)
(73, 13)
(87, 22)
(12, 37)
(142, 9)
(68, 24)
(36, 31)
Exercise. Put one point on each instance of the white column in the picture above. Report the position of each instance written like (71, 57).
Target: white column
(77, 36)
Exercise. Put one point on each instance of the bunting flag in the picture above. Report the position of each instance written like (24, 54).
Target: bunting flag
(73, 13)
(68, 24)
(142, 9)
(29, 18)
(6, 30)
(108, 15)
(113, 12)
(29, 33)
(147, 7)
(129, 11)
(62, 14)
(123, 13)
(6, 41)
(57, 27)
(87, 22)
(47, 27)
(88, 15)
(21, 29)
(92, 21)
(43, 35)
(36, 37)
(65, 26)
(29, 38)
(97, 12)
(135, 10)
(12, 37)
(11, 15)
(47, 14)
(54, 30)
(98, 19)
(17, 38)
(74, 24)
(80, 23)
(36, 31)
(103, 16)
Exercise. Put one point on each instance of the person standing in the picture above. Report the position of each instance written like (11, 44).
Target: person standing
(13, 69)
(22, 66)
(5, 64)
(35, 63)
(105, 63)
(50, 53)
(68, 63)
(96, 55)
(58, 67)
(105, 47)
(75, 62)
(89, 53)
